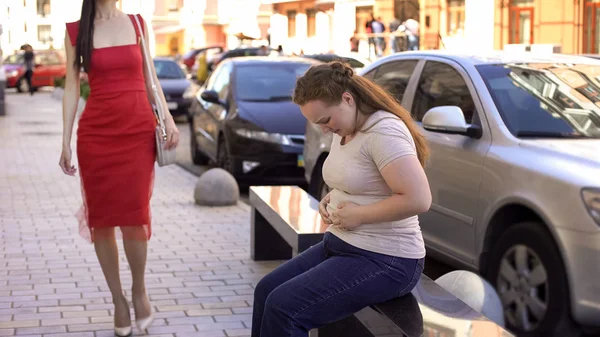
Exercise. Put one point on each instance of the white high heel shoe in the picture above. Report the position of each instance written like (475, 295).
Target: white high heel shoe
(144, 323)
(123, 332)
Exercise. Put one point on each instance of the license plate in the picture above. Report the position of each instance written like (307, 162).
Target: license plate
(300, 160)
(172, 105)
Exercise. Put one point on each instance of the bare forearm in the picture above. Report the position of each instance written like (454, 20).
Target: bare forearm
(394, 208)
(70, 103)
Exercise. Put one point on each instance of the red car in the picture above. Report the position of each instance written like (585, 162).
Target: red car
(49, 64)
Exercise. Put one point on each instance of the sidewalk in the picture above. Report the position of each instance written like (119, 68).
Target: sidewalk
(200, 277)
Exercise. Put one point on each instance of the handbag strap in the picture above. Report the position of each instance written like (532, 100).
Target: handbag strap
(147, 58)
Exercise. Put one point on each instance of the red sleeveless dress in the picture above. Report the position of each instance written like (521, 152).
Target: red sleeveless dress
(115, 142)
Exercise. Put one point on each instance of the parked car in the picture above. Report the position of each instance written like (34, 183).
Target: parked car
(49, 65)
(244, 120)
(238, 52)
(179, 90)
(190, 57)
(514, 173)
(354, 60)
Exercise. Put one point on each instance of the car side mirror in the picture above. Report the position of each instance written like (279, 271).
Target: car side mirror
(212, 97)
(449, 119)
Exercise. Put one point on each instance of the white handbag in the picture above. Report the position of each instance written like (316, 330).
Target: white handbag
(163, 156)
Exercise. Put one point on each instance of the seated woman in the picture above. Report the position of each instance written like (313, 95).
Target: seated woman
(373, 250)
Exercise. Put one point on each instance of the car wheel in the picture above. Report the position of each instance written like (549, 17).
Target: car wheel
(318, 188)
(197, 156)
(529, 276)
(22, 85)
(223, 159)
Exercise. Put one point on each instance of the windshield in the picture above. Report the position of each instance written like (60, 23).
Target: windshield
(168, 70)
(268, 82)
(546, 100)
(14, 59)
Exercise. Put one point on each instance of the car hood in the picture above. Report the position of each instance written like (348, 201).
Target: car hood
(584, 151)
(171, 86)
(10, 67)
(274, 117)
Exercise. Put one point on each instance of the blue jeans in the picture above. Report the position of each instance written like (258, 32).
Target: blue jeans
(328, 282)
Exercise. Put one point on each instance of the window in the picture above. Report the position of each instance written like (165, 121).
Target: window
(168, 70)
(268, 82)
(44, 33)
(291, 23)
(311, 22)
(49, 59)
(221, 82)
(535, 103)
(591, 27)
(439, 85)
(456, 17)
(174, 5)
(521, 21)
(394, 76)
(43, 7)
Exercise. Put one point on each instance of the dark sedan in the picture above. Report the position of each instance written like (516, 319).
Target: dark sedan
(179, 90)
(244, 119)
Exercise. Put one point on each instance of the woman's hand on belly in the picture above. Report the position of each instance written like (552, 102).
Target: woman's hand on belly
(347, 215)
(323, 209)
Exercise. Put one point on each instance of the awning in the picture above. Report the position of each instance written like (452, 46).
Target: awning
(169, 29)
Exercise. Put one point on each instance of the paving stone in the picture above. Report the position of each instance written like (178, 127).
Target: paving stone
(200, 277)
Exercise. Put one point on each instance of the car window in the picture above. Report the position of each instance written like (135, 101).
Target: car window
(221, 83)
(168, 70)
(14, 59)
(268, 82)
(353, 63)
(440, 84)
(50, 59)
(394, 76)
(545, 100)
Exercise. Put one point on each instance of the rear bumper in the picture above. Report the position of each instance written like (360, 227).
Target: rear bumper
(582, 260)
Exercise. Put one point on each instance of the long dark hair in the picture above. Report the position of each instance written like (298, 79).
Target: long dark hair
(327, 82)
(85, 38)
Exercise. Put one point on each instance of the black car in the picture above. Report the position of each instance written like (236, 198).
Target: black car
(239, 52)
(179, 90)
(244, 119)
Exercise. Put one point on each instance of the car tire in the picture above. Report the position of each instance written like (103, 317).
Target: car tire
(532, 278)
(198, 157)
(22, 85)
(223, 158)
(317, 187)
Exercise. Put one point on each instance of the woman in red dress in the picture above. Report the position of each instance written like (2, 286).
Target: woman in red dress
(116, 147)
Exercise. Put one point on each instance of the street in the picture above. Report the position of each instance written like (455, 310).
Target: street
(200, 277)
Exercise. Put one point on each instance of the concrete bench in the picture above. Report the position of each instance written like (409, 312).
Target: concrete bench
(286, 221)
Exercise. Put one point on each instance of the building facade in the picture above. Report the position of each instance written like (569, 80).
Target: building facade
(566, 26)
(175, 26)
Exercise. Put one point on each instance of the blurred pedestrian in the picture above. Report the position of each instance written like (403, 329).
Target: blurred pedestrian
(116, 145)
(373, 249)
(394, 40)
(412, 33)
(29, 64)
(202, 71)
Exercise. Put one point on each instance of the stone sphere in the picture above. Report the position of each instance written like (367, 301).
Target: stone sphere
(216, 187)
(475, 291)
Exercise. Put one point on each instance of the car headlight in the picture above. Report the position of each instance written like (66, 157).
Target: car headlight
(264, 136)
(591, 199)
(191, 91)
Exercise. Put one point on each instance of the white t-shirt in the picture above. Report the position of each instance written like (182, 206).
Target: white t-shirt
(353, 171)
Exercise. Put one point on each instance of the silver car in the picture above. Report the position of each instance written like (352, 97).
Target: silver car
(514, 173)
